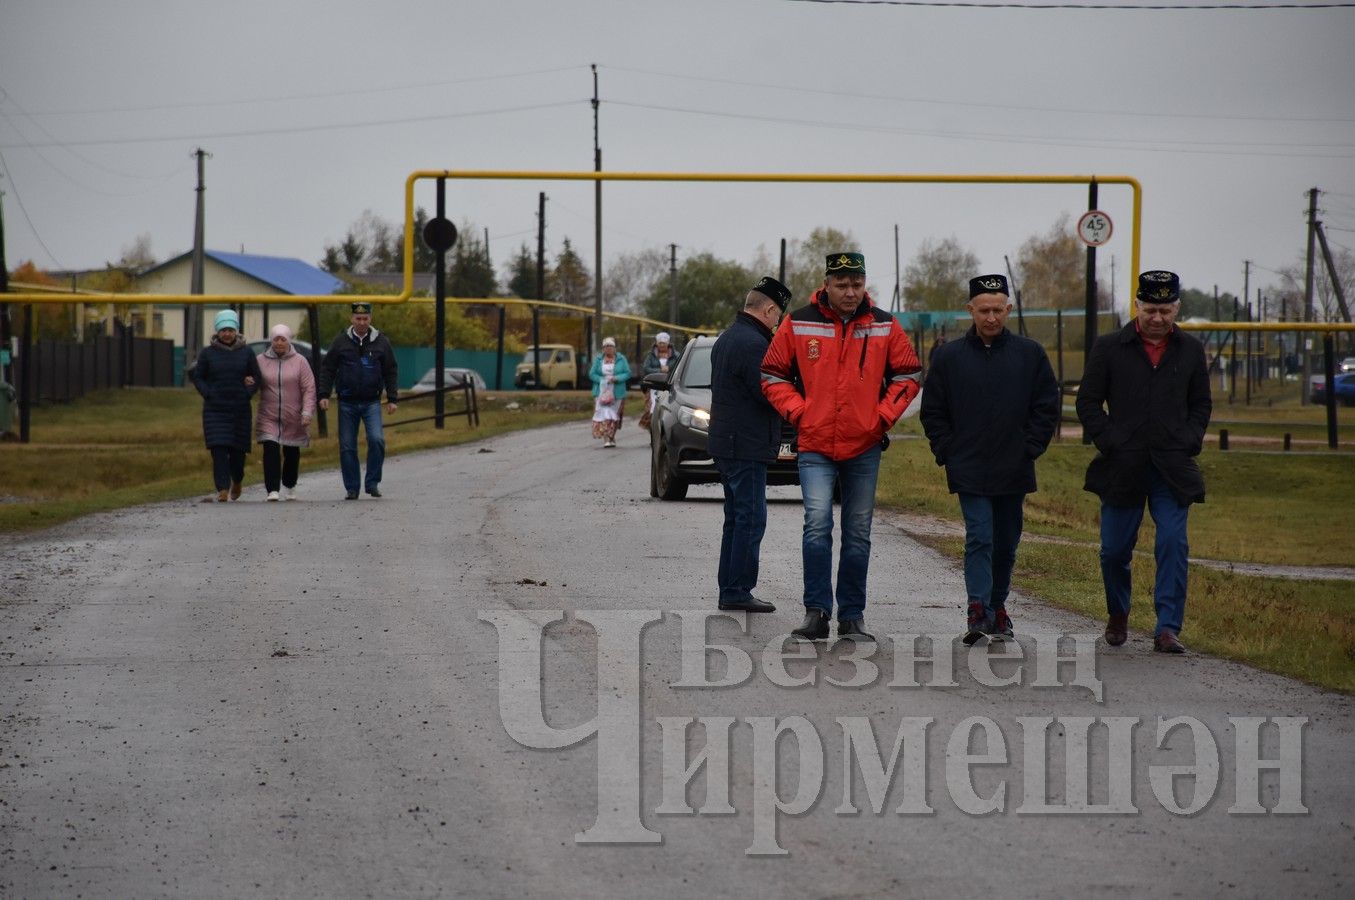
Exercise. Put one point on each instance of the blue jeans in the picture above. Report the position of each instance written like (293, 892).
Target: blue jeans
(369, 414)
(1119, 533)
(856, 476)
(745, 484)
(992, 529)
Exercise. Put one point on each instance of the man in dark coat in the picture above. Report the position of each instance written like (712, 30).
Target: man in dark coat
(745, 433)
(1154, 380)
(990, 405)
(359, 364)
(227, 375)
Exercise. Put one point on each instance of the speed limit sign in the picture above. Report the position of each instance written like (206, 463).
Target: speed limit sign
(1094, 228)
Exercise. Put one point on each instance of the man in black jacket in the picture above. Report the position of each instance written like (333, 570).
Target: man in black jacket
(1155, 381)
(745, 432)
(990, 405)
(359, 364)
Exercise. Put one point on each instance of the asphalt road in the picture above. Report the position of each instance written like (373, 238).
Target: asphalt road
(310, 699)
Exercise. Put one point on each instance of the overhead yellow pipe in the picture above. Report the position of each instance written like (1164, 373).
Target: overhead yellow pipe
(408, 276)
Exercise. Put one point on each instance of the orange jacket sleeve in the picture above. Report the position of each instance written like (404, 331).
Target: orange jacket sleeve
(778, 375)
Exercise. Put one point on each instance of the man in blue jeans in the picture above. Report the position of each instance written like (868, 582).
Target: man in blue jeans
(1144, 401)
(842, 371)
(359, 365)
(745, 435)
(990, 405)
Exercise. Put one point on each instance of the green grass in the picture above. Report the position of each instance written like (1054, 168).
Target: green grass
(122, 448)
(1261, 508)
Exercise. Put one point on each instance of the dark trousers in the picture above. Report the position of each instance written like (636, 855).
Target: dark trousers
(228, 465)
(280, 469)
(745, 484)
(992, 530)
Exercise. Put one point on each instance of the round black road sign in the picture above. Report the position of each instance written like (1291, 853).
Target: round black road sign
(439, 235)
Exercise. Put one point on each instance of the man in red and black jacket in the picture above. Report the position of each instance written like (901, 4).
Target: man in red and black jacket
(842, 371)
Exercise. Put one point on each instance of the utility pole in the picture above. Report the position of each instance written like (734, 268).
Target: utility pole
(672, 284)
(541, 246)
(1308, 291)
(597, 219)
(6, 343)
(1331, 273)
(1246, 303)
(1089, 323)
(192, 340)
(898, 284)
(1112, 284)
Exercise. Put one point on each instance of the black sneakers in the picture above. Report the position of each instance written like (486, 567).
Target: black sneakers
(1002, 626)
(980, 624)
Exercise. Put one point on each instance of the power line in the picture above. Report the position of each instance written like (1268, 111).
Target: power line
(1122, 143)
(974, 105)
(20, 200)
(258, 132)
(1115, 6)
(319, 95)
(81, 184)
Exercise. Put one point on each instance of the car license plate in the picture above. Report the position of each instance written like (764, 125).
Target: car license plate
(785, 452)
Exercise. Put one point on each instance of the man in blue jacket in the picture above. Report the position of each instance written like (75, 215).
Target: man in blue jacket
(359, 365)
(990, 405)
(745, 433)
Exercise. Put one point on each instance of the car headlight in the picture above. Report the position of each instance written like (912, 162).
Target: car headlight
(694, 417)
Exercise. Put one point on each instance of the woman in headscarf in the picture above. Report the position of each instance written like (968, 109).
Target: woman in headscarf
(663, 357)
(286, 407)
(609, 375)
(226, 374)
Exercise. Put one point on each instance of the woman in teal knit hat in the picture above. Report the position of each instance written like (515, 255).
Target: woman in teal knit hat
(226, 374)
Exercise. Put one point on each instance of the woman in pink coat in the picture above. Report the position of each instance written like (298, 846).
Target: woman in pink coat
(286, 406)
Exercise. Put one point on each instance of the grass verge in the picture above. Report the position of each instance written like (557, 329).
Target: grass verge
(1261, 508)
(122, 448)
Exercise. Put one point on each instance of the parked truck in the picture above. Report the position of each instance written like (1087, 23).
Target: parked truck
(560, 366)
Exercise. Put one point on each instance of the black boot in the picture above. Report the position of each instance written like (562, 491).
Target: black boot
(854, 630)
(815, 627)
(750, 604)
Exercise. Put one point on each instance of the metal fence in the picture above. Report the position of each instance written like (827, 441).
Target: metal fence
(66, 370)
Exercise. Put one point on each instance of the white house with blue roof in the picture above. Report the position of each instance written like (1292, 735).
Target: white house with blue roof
(237, 273)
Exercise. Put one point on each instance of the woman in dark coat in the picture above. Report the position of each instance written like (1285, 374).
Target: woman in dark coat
(227, 375)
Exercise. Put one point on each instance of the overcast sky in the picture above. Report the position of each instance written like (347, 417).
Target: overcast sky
(316, 111)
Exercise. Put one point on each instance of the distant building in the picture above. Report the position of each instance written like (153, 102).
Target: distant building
(235, 273)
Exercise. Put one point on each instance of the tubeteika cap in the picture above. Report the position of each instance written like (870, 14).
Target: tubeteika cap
(988, 284)
(1159, 286)
(774, 291)
(361, 307)
(845, 264)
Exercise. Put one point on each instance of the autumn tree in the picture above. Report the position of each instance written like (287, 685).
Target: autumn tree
(373, 244)
(569, 280)
(937, 277)
(710, 291)
(470, 273)
(633, 277)
(1051, 269)
(520, 276)
(407, 324)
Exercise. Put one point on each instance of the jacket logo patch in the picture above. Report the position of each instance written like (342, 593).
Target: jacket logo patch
(813, 348)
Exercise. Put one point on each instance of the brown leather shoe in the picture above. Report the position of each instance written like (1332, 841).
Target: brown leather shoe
(221, 497)
(1117, 629)
(1167, 642)
(236, 488)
